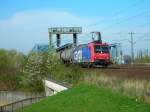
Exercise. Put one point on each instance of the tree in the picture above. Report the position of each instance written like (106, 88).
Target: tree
(10, 64)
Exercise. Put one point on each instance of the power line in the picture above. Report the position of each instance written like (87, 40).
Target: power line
(129, 7)
(139, 25)
(142, 25)
(117, 13)
(129, 18)
(140, 38)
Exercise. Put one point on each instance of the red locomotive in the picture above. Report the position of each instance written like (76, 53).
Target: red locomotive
(94, 53)
(99, 53)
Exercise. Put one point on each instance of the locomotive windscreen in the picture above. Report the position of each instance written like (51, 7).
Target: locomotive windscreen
(101, 49)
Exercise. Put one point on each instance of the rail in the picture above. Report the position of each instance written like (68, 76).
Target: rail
(19, 105)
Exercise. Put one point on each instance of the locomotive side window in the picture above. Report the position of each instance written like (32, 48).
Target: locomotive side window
(101, 49)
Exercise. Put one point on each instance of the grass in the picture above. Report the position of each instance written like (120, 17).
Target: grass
(145, 59)
(135, 88)
(88, 98)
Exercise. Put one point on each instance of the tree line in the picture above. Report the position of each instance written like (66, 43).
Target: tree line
(26, 72)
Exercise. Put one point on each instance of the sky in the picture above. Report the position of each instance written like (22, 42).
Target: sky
(24, 23)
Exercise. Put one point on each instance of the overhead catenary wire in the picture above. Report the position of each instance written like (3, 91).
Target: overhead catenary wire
(121, 21)
(125, 20)
(137, 26)
(116, 13)
(141, 38)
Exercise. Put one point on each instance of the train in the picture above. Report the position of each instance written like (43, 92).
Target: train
(87, 55)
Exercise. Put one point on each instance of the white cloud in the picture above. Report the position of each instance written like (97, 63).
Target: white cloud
(22, 30)
(43, 18)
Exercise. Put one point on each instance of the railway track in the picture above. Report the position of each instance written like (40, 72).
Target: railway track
(144, 67)
(134, 71)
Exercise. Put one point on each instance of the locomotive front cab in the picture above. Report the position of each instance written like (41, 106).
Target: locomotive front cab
(100, 54)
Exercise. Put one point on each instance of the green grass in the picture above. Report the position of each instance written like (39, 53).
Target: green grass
(87, 98)
(145, 59)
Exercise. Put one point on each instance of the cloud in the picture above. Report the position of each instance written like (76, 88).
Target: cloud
(26, 28)
(44, 18)
(22, 30)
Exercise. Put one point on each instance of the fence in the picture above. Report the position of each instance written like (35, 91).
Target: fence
(7, 97)
(19, 105)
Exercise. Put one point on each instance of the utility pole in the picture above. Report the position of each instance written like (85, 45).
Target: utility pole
(132, 47)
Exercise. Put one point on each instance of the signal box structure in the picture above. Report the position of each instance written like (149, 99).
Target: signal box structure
(63, 30)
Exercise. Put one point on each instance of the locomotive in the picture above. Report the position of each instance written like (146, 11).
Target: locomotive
(93, 53)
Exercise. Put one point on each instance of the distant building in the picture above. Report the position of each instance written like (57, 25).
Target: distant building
(127, 59)
(116, 53)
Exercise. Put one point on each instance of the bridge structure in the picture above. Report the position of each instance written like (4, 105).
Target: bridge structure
(52, 87)
(58, 31)
(40, 48)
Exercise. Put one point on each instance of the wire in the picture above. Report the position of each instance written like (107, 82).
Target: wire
(141, 25)
(140, 39)
(129, 18)
(119, 22)
(117, 13)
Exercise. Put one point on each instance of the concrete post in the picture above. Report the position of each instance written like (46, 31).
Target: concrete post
(75, 39)
(58, 40)
(50, 40)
